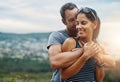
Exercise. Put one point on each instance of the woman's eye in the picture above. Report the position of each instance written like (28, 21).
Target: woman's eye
(83, 22)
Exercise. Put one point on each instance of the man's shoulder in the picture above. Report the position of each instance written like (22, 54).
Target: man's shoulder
(57, 37)
(59, 33)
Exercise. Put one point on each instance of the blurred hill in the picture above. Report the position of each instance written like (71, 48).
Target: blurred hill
(24, 52)
(20, 45)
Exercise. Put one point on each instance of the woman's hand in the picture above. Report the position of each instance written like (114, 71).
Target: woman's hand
(90, 49)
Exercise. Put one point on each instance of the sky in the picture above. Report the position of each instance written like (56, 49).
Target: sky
(33, 16)
(26, 16)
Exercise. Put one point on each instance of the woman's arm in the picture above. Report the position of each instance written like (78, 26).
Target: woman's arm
(69, 45)
(74, 68)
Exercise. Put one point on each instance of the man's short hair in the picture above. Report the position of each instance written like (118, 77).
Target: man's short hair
(67, 6)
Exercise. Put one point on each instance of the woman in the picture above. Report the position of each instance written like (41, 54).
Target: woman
(89, 66)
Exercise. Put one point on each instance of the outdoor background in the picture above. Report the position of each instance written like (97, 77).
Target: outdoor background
(25, 26)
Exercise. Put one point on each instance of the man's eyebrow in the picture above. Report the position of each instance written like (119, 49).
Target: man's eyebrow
(71, 19)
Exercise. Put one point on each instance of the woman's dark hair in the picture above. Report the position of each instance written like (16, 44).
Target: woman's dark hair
(90, 13)
(96, 31)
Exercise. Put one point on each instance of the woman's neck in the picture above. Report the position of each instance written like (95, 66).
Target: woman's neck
(88, 39)
(82, 41)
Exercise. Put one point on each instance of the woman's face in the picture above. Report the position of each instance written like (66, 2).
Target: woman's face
(84, 26)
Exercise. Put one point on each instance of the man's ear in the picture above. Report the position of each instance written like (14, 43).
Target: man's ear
(64, 22)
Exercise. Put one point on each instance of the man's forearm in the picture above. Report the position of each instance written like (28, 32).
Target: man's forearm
(105, 60)
(65, 59)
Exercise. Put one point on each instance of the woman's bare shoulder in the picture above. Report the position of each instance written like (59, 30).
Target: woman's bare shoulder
(70, 40)
(69, 44)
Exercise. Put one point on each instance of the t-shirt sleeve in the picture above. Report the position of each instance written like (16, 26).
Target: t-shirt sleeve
(54, 38)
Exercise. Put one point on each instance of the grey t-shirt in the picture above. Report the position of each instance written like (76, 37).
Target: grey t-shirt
(57, 37)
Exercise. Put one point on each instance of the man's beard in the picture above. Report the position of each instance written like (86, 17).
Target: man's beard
(73, 32)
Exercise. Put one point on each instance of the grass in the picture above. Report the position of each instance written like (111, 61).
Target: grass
(25, 77)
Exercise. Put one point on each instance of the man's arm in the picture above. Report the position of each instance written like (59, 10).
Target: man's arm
(105, 59)
(59, 59)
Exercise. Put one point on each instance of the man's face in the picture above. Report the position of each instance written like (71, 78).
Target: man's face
(70, 20)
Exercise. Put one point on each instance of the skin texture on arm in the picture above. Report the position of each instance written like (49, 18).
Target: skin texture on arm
(68, 45)
(106, 58)
(59, 59)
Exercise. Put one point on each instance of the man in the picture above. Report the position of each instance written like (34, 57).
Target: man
(59, 59)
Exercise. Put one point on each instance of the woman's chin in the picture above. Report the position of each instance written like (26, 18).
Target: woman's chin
(81, 36)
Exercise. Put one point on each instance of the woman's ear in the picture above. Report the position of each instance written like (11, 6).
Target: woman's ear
(95, 24)
(63, 20)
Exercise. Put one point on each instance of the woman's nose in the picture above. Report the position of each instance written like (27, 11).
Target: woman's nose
(78, 26)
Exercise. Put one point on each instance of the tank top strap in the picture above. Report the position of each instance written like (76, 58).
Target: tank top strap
(77, 44)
